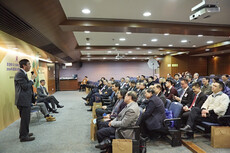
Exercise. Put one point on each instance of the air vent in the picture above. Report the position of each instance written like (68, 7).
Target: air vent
(18, 28)
(51, 48)
(67, 58)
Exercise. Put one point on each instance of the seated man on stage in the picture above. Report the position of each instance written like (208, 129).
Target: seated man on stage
(43, 96)
(214, 107)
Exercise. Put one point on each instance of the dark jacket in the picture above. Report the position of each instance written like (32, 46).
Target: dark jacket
(154, 114)
(199, 100)
(187, 97)
(41, 95)
(23, 89)
(162, 97)
(170, 93)
(107, 92)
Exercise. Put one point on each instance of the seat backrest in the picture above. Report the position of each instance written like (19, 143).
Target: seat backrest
(176, 108)
(228, 110)
(167, 104)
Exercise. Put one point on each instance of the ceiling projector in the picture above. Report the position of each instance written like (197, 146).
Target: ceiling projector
(204, 9)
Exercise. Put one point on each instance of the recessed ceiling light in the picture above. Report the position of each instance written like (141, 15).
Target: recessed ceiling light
(134, 58)
(146, 14)
(117, 44)
(137, 48)
(87, 44)
(86, 11)
(122, 39)
(144, 44)
(207, 49)
(199, 35)
(150, 52)
(104, 57)
(168, 52)
(86, 31)
(193, 45)
(184, 41)
(166, 34)
(109, 51)
(209, 42)
(15, 48)
(128, 33)
(170, 45)
(154, 40)
(161, 54)
(129, 51)
(161, 48)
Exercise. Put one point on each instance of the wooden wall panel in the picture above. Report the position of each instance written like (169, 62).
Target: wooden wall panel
(219, 65)
(51, 78)
(185, 63)
(164, 69)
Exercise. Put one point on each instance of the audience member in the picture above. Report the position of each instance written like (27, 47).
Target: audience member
(132, 86)
(154, 114)
(213, 108)
(206, 89)
(177, 81)
(126, 118)
(198, 101)
(83, 83)
(226, 80)
(157, 90)
(141, 94)
(170, 90)
(189, 78)
(187, 95)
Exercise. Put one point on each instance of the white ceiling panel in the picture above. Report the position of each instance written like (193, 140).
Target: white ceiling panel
(161, 10)
(138, 39)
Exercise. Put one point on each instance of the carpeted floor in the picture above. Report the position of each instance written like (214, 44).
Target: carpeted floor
(69, 134)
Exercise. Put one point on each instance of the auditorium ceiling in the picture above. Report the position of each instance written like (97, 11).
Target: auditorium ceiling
(77, 30)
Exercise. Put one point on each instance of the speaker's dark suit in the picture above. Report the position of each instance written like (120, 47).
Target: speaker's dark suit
(198, 103)
(23, 99)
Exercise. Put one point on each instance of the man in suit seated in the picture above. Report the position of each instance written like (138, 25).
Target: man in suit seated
(141, 93)
(226, 80)
(177, 81)
(189, 78)
(132, 86)
(126, 118)
(157, 90)
(117, 108)
(206, 89)
(44, 96)
(150, 81)
(108, 109)
(214, 107)
(198, 101)
(170, 90)
(154, 114)
(187, 95)
(103, 94)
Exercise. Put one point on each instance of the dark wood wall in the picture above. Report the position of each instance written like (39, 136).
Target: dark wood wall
(51, 78)
(219, 64)
(185, 63)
